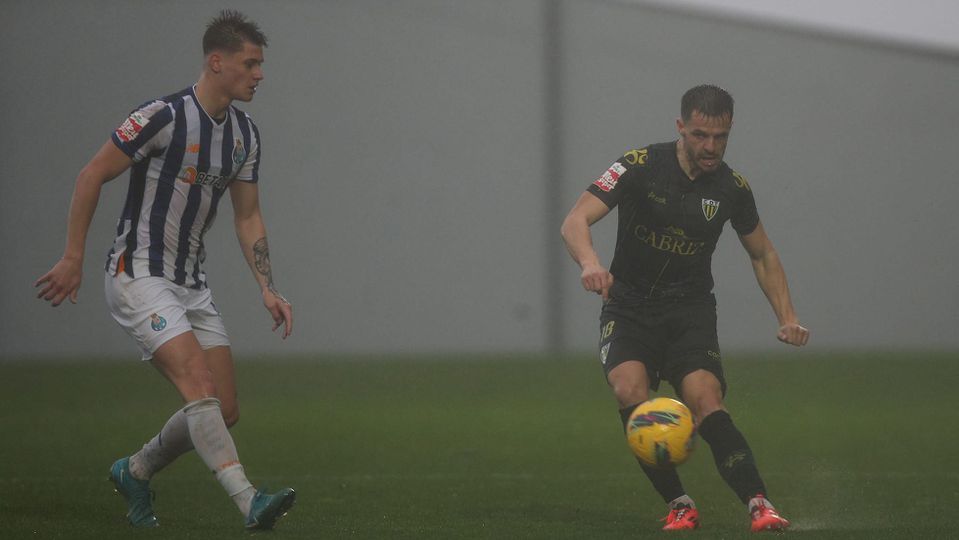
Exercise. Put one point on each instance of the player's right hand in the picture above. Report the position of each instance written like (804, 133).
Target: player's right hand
(61, 282)
(793, 334)
(280, 309)
(597, 279)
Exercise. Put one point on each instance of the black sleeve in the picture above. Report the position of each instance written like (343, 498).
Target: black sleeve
(745, 217)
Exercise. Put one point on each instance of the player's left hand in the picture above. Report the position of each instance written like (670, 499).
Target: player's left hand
(62, 282)
(793, 334)
(280, 309)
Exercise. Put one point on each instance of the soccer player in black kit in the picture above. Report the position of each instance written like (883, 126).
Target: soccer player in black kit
(659, 314)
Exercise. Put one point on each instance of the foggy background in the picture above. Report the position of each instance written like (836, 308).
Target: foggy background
(419, 157)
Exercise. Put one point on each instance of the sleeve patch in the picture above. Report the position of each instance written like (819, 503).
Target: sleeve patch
(607, 182)
(137, 120)
(131, 127)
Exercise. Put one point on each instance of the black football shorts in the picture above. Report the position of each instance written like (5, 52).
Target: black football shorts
(672, 338)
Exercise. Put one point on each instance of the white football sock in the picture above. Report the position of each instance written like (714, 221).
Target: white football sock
(215, 445)
(172, 442)
(759, 501)
(244, 498)
(684, 500)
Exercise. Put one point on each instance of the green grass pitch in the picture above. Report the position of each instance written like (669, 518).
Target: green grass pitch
(850, 445)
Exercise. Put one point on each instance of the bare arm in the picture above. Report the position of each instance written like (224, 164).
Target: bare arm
(772, 280)
(63, 280)
(575, 230)
(251, 232)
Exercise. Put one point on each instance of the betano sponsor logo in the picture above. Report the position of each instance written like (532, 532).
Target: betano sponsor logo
(192, 177)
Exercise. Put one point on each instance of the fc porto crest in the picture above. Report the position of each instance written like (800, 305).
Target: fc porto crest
(157, 322)
(239, 153)
(710, 208)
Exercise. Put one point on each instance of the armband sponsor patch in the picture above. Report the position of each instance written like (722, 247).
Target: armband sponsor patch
(608, 180)
(131, 127)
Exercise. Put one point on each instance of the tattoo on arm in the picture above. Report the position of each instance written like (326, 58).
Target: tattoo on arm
(261, 259)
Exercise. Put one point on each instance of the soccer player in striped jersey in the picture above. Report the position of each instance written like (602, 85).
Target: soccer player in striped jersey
(184, 151)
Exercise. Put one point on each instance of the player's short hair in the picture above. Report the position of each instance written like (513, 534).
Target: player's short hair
(709, 99)
(228, 30)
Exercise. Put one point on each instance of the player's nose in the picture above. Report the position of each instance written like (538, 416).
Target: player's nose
(709, 145)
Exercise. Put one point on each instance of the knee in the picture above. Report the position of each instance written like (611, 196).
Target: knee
(702, 392)
(193, 378)
(231, 415)
(202, 381)
(703, 403)
(630, 392)
(629, 383)
(703, 406)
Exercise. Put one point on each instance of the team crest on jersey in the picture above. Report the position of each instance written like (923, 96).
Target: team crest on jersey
(239, 153)
(608, 181)
(157, 322)
(710, 207)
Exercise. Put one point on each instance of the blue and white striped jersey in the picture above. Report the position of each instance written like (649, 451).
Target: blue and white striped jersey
(183, 161)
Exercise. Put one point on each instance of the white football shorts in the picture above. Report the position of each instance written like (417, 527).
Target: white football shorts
(154, 310)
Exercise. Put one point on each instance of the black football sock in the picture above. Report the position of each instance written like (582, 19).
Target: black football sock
(665, 481)
(733, 457)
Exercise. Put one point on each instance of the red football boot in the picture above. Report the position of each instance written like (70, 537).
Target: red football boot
(765, 517)
(681, 519)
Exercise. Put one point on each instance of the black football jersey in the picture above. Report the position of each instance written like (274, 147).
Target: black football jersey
(669, 224)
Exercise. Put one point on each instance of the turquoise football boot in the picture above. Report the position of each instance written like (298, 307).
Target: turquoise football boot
(266, 508)
(136, 492)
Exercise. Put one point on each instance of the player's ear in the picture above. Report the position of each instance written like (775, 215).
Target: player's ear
(680, 125)
(214, 62)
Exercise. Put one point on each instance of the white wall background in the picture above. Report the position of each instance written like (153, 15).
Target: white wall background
(927, 24)
(405, 149)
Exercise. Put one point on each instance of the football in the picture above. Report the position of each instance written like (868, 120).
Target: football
(661, 432)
